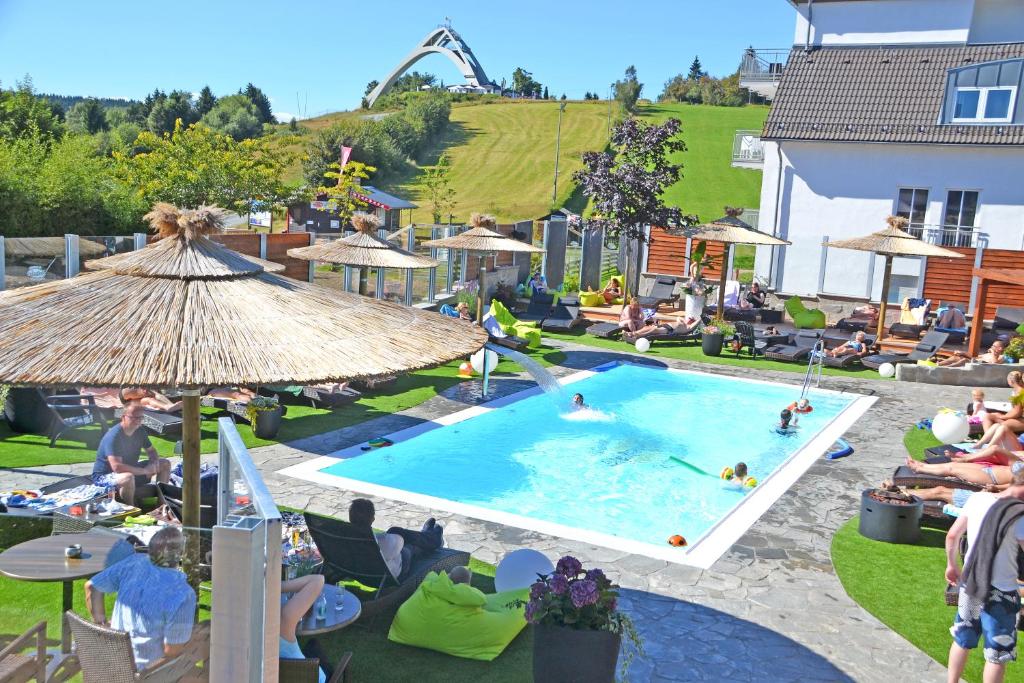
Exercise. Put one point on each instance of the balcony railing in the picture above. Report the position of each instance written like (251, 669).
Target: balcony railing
(747, 148)
(949, 235)
(762, 65)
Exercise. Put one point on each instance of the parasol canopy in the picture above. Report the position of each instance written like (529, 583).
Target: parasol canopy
(363, 249)
(891, 242)
(47, 247)
(482, 237)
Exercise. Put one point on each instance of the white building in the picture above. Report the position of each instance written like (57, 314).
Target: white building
(906, 107)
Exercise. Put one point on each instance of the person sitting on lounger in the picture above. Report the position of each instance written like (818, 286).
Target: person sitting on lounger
(680, 326)
(951, 319)
(613, 291)
(1014, 418)
(755, 297)
(856, 345)
(972, 472)
(994, 355)
(537, 285)
(150, 399)
(398, 546)
(632, 317)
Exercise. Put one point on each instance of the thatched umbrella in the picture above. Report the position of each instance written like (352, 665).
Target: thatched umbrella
(730, 230)
(47, 247)
(483, 239)
(187, 312)
(363, 250)
(893, 241)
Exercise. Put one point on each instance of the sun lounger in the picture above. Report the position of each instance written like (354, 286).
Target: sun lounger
(849, 359)
(499, 337)
(904, 476)
(539, 307)
(938, 453)
(661, 335)
(803, 343)
(605, 330)
(924, 350)
(661, 293)
(563, 319)
(326, 397)
(855, 324)
(1008, 317)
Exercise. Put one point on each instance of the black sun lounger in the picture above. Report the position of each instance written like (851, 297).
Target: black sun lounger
(605, 330)
(662, 336)
(661, 293)
(563, 319)
(803, 344)
(320, 397)
(539, 307)
(904, 476)
(924, 350)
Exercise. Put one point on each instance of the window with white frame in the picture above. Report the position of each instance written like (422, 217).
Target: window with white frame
(984, 105)
(912, 204)
(961, 212)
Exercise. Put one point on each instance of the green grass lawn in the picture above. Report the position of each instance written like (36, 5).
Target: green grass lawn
(692, 352)
(916, 440)
(31, 450)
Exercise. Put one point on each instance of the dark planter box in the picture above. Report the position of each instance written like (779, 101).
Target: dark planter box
(770, 316)
(888, 522)
(267, 423)
(565, 655)
(711, 344)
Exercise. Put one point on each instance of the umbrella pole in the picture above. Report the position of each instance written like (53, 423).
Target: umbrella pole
(364, 276)
(480, 278)
(722, 280)
(190, 481)
(886, 276)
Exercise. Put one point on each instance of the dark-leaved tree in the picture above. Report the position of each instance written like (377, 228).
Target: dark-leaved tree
(261, 102)
(205, 102)
(627, 183)
(87, 117)
(696, 70)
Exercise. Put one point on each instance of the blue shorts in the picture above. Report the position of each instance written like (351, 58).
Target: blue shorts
(108, 480)
(960, 497)
(995, 618)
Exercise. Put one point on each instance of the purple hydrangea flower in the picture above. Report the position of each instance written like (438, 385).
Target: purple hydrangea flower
(559, 584)
(569, 566)
(538, 590)
(597, 576)
(583, 593)
(531, 611)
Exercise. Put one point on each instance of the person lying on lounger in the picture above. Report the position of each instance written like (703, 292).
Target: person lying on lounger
(856, 345)
(953, 496)
(968, 471)
(994, 355)
(995, 454)
(239, 394)
(680, 326)
(150, 399)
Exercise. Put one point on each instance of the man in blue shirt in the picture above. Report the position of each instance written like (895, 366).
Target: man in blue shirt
(155, 605)
(117, 458)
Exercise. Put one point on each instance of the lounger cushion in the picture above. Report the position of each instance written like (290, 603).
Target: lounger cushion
(458, 619)
(605, 330)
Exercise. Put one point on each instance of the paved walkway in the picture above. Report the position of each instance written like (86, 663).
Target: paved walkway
(771, 609)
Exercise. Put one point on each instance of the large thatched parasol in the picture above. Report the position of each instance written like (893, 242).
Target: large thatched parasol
(363, 250)
(729, 230)
(483, 239)
(893, 241)
(186, 312)
(47, 247)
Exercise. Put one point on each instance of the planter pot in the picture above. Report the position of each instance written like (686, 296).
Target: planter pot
(565, 655)
(711, 344)
(267, 423)
(694, 306)
(889, 521)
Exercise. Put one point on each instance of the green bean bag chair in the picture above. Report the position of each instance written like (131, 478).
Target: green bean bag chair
(804, 318)
(617, 301)
(528, 330)
(591, 299)
(457, 619)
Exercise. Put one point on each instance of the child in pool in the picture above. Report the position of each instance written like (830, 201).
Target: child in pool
(577, 402)
(740, 476)
(798, 408)
(786, 424)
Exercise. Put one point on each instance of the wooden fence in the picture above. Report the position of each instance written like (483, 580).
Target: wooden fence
(666, 254)
(949, 279)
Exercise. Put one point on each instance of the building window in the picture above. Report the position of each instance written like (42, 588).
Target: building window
(912, 204)
(961, 211)
(984, 105)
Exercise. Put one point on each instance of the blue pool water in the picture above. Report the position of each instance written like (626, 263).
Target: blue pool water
(608, 471)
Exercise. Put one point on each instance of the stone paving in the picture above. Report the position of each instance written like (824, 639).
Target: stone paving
(771, 609)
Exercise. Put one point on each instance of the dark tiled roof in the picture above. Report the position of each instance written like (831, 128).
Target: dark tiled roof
(880, 94)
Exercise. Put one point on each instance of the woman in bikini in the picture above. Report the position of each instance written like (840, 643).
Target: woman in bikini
(972, 472)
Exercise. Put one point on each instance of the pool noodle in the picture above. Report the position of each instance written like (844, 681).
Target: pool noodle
(692, 466)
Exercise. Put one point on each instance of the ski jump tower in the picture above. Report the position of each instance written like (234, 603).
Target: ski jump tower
(443, 40)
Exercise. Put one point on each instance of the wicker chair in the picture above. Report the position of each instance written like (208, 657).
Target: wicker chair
(106, 656)
(16, 667)
(308, 670)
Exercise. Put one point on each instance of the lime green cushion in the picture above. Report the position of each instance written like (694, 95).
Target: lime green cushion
(529, 333)
(505, 317)
(458, 619)
(591, 299)
(804, 318)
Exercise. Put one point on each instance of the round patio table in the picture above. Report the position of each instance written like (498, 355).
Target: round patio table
(350, 609)
(42, 559)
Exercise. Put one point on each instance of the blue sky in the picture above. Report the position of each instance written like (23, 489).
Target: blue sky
(325, 52)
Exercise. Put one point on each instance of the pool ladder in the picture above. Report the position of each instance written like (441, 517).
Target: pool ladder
(816, 362)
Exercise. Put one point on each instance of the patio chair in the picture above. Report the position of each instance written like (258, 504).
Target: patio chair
(1008, 317)
(539, 307)
(71, 412)
(924, 350)
(564, 317)
(351, 553)
(661, 293)
(745, 333)
(855, 324)
(849, 359)
(26, 411)
(16, 667)
(308, 670)
(693, 335)
(804, 342)
(106, 656)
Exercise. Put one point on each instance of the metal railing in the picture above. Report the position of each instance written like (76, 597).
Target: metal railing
(949, 235)
(762, 65)
(747, 147)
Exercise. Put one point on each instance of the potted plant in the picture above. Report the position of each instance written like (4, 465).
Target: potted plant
(577, 626)
(264, 414)
(713, 336)
(1015, 350)
(697, 291)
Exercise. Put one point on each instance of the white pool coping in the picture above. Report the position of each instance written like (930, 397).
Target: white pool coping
(701, 552)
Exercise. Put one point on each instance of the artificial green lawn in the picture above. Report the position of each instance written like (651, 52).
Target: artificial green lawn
(31, 450)
(916, 440)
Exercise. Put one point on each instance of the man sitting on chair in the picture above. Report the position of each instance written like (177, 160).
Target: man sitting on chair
(398, 546)
(117, 458)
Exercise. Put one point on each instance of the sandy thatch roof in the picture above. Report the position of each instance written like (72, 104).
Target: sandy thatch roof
(729, 228)
(363, 249)
(482, 237)
(47, 247)
(894, 241)
(211, 318)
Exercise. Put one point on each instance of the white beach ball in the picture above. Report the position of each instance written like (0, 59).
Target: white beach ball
(887, 370)
(477, 360)
(643, 345)
(950, 427)
(519, 569)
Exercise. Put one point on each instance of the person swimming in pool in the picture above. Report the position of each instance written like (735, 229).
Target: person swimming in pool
(786, 423)
(740, 476)
(577, 402)
(798, 408)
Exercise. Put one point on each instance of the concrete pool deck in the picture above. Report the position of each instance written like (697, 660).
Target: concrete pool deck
(771, 609)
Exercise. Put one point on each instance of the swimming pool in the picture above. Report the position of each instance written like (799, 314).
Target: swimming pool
(607, 475)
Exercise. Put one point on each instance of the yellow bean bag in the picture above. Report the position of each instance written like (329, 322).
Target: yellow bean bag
(457, 619)
(591, 299)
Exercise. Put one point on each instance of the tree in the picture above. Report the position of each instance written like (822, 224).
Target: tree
(370, 86)
(205, 102)
(412, 82)
(696, 70)
(546, 96)
(293, 125)
(261, 102)
(627, 90)
(236, 116)
(523, 83)
(197, 166)
(438, 185)
(563, 96)
(169, 109)
(23, 114)
(626, 185)
(86, 117)
(340, 197)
